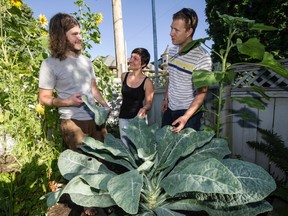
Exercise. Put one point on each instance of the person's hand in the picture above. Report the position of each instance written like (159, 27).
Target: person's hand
(75, 100)
(164, 105)
(142, 112)
(108, 108)
(179, 124)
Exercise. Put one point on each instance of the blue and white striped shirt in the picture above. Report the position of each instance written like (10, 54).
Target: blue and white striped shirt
(180, 68)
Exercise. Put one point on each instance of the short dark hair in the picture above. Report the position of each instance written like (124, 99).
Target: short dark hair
(59, 24)
(144, 55)
(189, 16)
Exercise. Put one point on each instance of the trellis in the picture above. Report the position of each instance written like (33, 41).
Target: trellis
(260, 76)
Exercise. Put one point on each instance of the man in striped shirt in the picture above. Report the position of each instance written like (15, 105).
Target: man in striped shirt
(182, 102)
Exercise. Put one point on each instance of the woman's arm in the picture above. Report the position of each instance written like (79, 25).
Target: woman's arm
(149, 93)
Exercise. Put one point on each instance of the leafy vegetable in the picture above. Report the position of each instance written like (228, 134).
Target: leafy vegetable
(164, 172)
(100, 113)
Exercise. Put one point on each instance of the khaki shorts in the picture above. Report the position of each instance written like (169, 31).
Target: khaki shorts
(73, 131)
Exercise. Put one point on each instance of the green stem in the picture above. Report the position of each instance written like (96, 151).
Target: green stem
(1, 18)
(221, 83)
(219, 109)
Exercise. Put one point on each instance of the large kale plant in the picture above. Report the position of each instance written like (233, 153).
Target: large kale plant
(164, 173)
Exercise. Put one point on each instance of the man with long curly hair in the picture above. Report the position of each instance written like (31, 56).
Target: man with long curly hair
(71, 75)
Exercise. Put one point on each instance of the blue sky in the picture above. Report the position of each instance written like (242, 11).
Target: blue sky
(137, 21)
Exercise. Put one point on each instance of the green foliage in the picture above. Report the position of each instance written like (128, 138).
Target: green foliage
(105, 81)
(191, 45)
(224, 74)
(101, 113)
(269, 13)
(36, 137)
(274, 147)
(21, 189)
(89, 28)
(21, 53)
(163, 172)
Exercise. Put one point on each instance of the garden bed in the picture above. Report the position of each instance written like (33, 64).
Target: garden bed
(8, 164)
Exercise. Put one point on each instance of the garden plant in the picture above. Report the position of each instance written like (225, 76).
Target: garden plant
(163, 173)
(224, 74)
(37, 142)
(30, 141)
(25, 170)
(273, 146)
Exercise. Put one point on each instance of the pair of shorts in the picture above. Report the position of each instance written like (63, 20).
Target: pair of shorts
(73, 131)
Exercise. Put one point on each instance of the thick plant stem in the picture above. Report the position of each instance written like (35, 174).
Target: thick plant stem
(221, 84)
(219, 109)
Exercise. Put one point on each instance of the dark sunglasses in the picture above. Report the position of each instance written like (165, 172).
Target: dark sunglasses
(187, 13)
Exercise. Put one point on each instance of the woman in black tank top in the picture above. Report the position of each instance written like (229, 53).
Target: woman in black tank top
(137, 91)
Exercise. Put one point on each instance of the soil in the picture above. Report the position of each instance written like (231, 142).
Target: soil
(67, 208)
(70, 209)
(62, 209)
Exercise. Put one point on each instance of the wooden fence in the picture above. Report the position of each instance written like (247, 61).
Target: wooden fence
(273, 118)
(155, 114)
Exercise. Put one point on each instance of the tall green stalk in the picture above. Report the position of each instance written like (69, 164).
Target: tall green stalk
(224, 76)
(223, 71)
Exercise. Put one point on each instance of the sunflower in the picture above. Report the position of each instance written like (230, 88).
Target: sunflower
(44, 33)
(43, 20)
(16, 3)
(40, 109)
(99, 18)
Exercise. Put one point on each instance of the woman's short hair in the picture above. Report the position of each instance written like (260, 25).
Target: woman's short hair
(144, 55)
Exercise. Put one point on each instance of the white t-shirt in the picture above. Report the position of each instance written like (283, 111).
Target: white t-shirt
(67, 77)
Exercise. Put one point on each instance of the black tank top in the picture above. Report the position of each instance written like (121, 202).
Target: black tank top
(132, 99)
